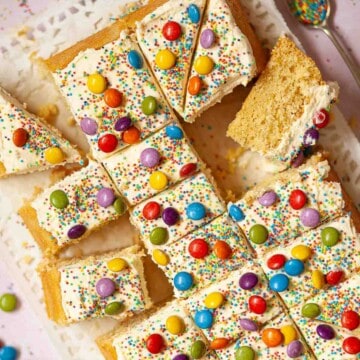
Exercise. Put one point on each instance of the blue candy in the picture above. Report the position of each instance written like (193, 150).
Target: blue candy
(294, 267)
(135, 59)
(279, 282)
(236, 213)
(8, 353)
(193, 13)
(195, 211)
(174, 132)
(203, 319)
(183, 281)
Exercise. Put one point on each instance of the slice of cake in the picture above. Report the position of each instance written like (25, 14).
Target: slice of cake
(208, 254)
(28, 144)
(286, 107)
(151, 166)
(71, 209)
(233, 306)
(227, 54)
(288, 205)
(112, 94)
(330, 321)
(314, 262)
(176, 212)
(167, 334)
(167, 38)
(278, 340)
(110, 285)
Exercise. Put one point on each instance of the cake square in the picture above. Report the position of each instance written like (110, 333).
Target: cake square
(111, 284)
(134, 170)
(186, 207)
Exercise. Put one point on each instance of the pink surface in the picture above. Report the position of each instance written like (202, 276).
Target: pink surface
(21, 327)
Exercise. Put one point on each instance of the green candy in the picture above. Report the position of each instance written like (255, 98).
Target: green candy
(59, 199)
(258, 234)
(119, 206)
(198, 349)
(245, 353)
(8, 302)
(114, 308)
(159, 236)
(310, 310)
(149, 105)
(330, 236)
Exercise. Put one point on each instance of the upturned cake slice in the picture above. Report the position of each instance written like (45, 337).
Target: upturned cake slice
(28, 144)
(72, 208)
(108, 285)
(287, 106)
(167, 37)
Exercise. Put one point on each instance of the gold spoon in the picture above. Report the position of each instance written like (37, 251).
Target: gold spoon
(316, 13)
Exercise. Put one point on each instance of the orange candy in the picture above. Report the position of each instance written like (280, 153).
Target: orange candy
(194, 86)
(113, 97)
(219, 343)
(131, 135)
(222, 250)
(272, 337)
(20, 137)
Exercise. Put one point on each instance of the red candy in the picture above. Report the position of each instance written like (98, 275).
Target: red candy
(107, 143)
(113, 97)
(222, 250)
(321, 119)
(188, 169)
(334, 277)
(351, 345)
(257, 304)
(276, 261)
(198, 248)
(20, 137)
(151, 210)
(297, 199)
(350, 319)
(155, 343)
(171, 30)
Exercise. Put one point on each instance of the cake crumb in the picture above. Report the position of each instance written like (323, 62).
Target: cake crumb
(48, 112)
(232, 157)
(27, 259)
(71, 121)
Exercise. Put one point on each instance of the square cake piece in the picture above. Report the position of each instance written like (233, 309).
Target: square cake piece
(111, 284)
(176, 212)
(160, 161)
(72, 208)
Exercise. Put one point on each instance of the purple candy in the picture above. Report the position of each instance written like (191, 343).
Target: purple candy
(310, 217)
(76, 231)
(248, 281)
(170, 216)
(298, 160)
(248, 325)
(123, 123)
(268, 198)
(105, 287)
(105, 197)
(295, 349)
(88, 126)
(311, 136)
(180, 357)
(326, 332)
(207, 38)
(150, 157)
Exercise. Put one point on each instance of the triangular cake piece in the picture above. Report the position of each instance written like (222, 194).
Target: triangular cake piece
(167, 38)
(28, 144)
(227, 54)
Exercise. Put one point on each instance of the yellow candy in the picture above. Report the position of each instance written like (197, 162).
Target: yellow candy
(160, 257)
(214, 300)
(165, 59)
(289, 334)
(203, 65)
(54, 155)
(158, 180)
(301, 252)
(96, 83)
(318, 279)
(175, 325)
(117, 264)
